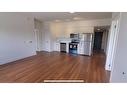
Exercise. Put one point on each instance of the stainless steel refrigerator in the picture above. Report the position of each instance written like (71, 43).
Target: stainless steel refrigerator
(85, 46)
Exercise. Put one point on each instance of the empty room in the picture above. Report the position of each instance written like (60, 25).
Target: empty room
(37, 47)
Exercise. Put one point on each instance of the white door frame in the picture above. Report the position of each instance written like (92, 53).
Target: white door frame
(36, 31)
(112, 42)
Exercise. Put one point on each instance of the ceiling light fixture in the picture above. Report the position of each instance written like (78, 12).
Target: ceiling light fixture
(72, 12)
(57, 20)
(77, 18)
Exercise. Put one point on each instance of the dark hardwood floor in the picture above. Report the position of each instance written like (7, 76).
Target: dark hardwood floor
(55, 66)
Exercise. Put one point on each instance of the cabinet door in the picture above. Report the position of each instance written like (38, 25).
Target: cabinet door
(57, 47)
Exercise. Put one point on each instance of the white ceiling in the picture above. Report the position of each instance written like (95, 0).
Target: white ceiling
(49, 16)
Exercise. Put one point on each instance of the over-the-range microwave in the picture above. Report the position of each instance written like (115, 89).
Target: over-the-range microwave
(74, 35)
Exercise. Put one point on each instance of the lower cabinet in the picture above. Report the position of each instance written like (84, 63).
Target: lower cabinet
(57, 46)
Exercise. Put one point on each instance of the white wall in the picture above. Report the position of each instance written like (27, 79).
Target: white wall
(17, 38)
(120, 60)
(63, 29)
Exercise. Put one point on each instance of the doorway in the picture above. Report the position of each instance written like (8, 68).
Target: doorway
(98, 41)
(100, 38)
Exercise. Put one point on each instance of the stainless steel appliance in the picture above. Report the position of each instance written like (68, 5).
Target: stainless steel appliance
(74, 36)
(85, 44)
(63, 47)
(73, 45)
(73, 48)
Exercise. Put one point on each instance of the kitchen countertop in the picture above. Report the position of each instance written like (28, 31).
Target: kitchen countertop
(63, 40)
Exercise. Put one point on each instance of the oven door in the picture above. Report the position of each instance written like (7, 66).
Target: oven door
(72, 48)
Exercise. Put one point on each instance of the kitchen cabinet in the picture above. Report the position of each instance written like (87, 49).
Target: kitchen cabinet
(57, 46)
